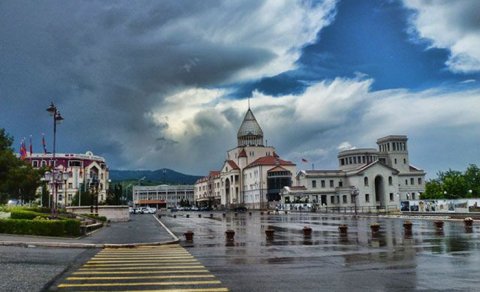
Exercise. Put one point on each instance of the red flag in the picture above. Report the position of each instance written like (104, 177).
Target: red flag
(23, 150)
(44, 144)
(304, 160)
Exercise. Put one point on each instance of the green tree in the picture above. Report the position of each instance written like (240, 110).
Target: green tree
(18, 179)
(86, 198)
(454, 185)
(472, 180)
(114, 195)
(433, 190)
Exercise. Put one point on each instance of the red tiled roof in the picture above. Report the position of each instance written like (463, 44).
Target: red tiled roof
(277, 168)
(242, 153)
(214, 173)
(232, 164)
(270, 160)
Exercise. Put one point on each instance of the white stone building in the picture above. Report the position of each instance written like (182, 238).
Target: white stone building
(252, 175)
(367, 178)
(162, 196)
(80, 170)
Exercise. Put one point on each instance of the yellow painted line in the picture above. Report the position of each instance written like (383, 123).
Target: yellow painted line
(200, 270)
(176, 290)
(140, 277)
(191, 266)
(140, 284)
(140, 264)
(139, 254)
(137, 260)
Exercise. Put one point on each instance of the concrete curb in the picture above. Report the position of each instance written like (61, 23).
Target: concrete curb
(92, 245)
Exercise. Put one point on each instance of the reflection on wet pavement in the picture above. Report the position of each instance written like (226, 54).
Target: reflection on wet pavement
(409, 260)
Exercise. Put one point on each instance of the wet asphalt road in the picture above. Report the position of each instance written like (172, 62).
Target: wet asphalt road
(389, 261)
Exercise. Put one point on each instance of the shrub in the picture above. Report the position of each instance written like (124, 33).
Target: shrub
(72, 227)
(95, 217)
(40, 227)
(22, 214)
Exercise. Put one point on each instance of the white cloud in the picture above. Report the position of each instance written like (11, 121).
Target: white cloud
(333, 116)
(452, 25)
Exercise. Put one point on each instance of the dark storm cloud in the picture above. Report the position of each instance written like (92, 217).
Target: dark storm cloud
(110, 65)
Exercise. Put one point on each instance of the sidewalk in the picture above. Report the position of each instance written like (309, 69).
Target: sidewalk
(140, 230)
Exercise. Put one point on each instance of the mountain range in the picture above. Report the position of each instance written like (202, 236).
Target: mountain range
(160, 176)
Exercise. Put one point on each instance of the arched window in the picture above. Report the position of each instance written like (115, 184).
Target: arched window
(365, 181)
(390, 180)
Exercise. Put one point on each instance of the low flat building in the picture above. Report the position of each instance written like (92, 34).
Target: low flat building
(163, 196)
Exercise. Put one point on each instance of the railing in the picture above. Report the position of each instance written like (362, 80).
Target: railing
(359, 210)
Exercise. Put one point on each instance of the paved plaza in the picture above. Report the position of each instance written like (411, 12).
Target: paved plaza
(428, 259)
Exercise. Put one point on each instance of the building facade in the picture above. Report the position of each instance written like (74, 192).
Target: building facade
(251, 176)
(373, 178)
(162, 196)
(80, 170)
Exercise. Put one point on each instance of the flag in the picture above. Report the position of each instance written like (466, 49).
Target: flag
(23, 150)
(304, 160)
(44, 144)
(31, 147)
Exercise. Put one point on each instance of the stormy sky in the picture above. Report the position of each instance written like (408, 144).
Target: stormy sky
(154, 84)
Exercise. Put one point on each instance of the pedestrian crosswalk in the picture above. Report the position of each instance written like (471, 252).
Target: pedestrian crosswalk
(148, 268)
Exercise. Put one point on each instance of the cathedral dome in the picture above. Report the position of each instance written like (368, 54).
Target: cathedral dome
(250, 133)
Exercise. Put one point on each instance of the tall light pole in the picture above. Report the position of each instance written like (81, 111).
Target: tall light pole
(57, 118)
(355, 195)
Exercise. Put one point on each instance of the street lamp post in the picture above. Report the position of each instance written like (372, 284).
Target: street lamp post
(94, 194)
(57, 118)
(355, 195)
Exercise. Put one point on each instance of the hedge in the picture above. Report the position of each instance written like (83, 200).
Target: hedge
(40, 227)
(23, 214)
(95, 217)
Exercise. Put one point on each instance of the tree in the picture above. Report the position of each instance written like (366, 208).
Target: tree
(472, 180)
(86, 198)
(114, 195)
(433, 190)
(18, 179)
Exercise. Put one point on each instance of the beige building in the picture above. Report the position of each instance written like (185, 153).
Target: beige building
(79, 171)
(368, 178)
(251, 176)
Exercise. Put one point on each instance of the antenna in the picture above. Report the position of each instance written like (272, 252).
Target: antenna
(249, 102)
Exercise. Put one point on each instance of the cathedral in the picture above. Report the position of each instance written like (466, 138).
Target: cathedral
(252, 175)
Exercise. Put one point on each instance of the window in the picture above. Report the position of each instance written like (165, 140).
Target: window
(365, 181)
(404, 161)
(344, 199)
(35, 164)
(419, 180)
(367, 198)
(352, 199)
(413, 196)
(342, 161)
(70, 185)
(406, 182)
(391, 197)
(412, 181)
(390, 181)
(323, 183)
(314, 183)
(331, 183)
(332, 199)
(340, 183)
(395, 158)
(44, 163)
